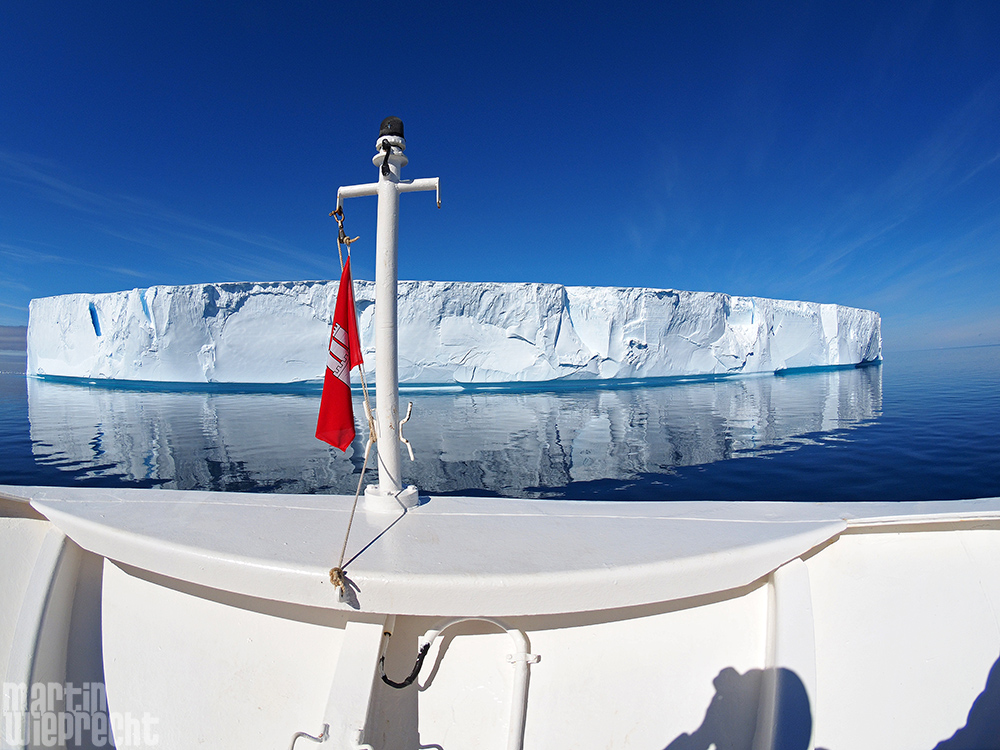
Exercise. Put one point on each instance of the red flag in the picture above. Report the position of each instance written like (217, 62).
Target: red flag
(336, 413)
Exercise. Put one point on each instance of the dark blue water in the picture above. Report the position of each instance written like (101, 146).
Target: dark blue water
(922, 426)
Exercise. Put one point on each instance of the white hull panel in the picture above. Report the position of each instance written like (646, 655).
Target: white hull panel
(657, 625)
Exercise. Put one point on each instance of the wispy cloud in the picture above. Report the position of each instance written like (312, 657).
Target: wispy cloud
(979, 168)
(945, 162)
(144, 222)
(25, 255)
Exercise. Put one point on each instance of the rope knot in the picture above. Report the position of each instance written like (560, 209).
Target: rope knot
(337, 579)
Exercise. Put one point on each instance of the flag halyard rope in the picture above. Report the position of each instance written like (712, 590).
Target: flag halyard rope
(337, 574)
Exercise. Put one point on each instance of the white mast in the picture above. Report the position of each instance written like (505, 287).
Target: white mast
(390, 493)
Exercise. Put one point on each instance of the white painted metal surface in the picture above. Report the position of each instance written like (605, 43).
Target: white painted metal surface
(388, 188)
(448, 557)
(663, 625)
(22, 541)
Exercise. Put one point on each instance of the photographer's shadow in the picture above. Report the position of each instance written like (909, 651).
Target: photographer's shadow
(982, 728)
(732, 717)
(730, 722)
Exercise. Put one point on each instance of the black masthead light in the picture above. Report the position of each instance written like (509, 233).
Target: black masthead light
(391, 126)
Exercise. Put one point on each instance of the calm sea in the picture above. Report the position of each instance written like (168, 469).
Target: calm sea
(923, 425)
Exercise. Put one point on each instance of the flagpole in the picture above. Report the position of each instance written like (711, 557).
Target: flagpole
(389, 494)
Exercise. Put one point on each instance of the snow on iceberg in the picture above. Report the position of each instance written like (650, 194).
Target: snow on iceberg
(449, 333)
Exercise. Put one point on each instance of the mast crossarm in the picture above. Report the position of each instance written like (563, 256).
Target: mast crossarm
(357, 191)
(424, 183)
(403, 186)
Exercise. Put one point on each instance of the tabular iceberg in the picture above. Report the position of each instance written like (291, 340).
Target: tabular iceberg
(456, 333)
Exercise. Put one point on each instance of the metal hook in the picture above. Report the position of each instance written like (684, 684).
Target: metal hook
(402, 439)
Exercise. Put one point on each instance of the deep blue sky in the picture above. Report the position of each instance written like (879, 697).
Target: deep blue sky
(827, 151)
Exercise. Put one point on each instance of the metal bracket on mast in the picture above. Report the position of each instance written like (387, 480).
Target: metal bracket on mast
(389, 495)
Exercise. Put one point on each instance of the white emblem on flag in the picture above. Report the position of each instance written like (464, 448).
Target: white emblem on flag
(337, 358)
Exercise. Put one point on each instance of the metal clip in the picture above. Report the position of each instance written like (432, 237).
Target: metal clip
(342, 237)
(526, 658)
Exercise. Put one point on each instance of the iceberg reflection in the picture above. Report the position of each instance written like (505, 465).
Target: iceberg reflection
(517, 444)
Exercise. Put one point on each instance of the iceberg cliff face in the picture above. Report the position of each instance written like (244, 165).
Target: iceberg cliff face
(449, 333)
